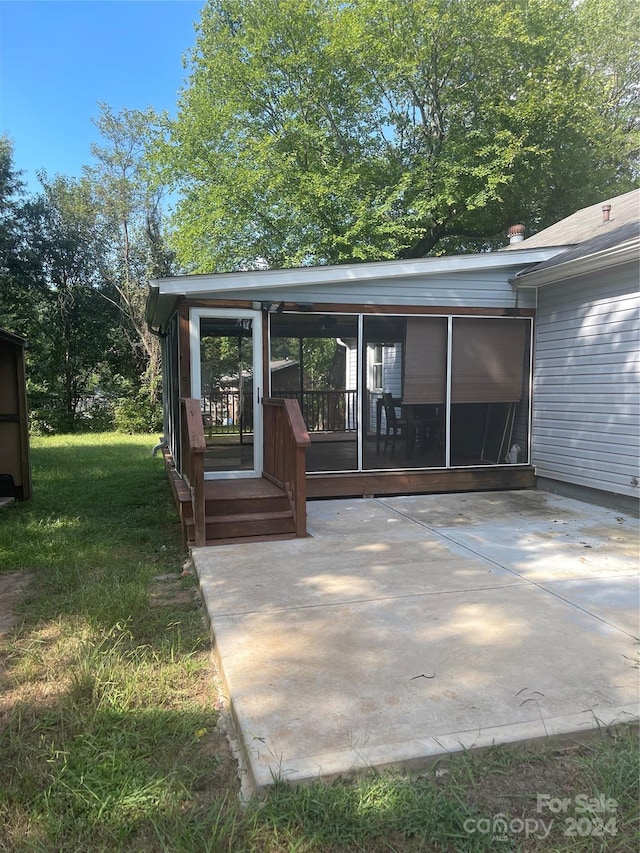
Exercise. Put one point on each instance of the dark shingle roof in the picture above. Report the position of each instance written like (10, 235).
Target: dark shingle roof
(587, 224)
(607, 240)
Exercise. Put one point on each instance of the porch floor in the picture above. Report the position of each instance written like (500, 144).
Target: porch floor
(408, 628)
(338, 452)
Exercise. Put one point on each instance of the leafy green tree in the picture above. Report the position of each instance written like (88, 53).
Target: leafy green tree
(17, 296)
(324, 131)
(129, 202)
(74, 334)
(46, 271)
(10, 187)
(56, 289)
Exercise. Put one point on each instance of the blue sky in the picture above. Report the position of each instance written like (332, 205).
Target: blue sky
(59, 58)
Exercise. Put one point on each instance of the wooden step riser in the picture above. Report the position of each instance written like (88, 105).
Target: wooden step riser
(244, 507)
(244, 530)
(245, 512)
(247, 524)
(256, 528)
(244, 540)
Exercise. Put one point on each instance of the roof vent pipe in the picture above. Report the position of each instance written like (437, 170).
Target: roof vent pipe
(606, 211)
(516, 234)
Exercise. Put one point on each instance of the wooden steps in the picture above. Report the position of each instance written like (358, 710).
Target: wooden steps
(243, 525)
(245, 510)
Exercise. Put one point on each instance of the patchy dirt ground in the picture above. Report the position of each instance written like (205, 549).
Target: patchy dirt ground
(12, 587)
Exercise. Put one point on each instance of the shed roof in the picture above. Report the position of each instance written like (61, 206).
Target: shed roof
(9, 337)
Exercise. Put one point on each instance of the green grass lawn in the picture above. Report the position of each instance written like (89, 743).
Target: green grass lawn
(109, 703)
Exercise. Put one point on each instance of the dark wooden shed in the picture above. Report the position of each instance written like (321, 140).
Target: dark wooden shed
(15, 464)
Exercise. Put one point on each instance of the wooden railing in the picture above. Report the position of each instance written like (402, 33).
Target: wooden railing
(285, 443)
(328, 410)
(193, 449)
(223, 413)
(325, 410)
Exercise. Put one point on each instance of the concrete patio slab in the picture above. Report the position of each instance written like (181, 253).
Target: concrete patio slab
(408, 628)
(614, 600)
(339, 570)
(344, 517)
(536, 534)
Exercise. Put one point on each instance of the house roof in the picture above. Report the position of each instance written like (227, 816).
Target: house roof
(282, 364)
(586, 224)
(552, 247)
(607, 240)
(184, 285)
(622, 245)
(164, 292)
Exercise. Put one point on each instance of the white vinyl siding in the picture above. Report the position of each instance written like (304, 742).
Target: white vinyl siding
(478, 288)
(586, 412)
(351, 369)
(392, 370)
(351, 380)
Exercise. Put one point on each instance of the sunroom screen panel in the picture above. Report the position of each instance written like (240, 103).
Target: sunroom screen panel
(425, 371)
(488, 357)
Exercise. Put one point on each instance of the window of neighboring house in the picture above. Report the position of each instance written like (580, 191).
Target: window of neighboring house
(375, 362)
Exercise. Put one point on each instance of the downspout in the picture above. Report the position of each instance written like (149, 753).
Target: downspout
(341, 343)
(532, 335)
(513, 281)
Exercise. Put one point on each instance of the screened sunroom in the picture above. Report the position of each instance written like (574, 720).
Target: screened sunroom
(402, 376)
(405, 391)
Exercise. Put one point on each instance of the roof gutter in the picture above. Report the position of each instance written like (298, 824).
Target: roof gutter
(612, 256)
(151, 308)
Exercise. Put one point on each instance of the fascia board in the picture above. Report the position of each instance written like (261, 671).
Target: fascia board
(159, 309)
(152, 305)
(614, 256)
(308, 277)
